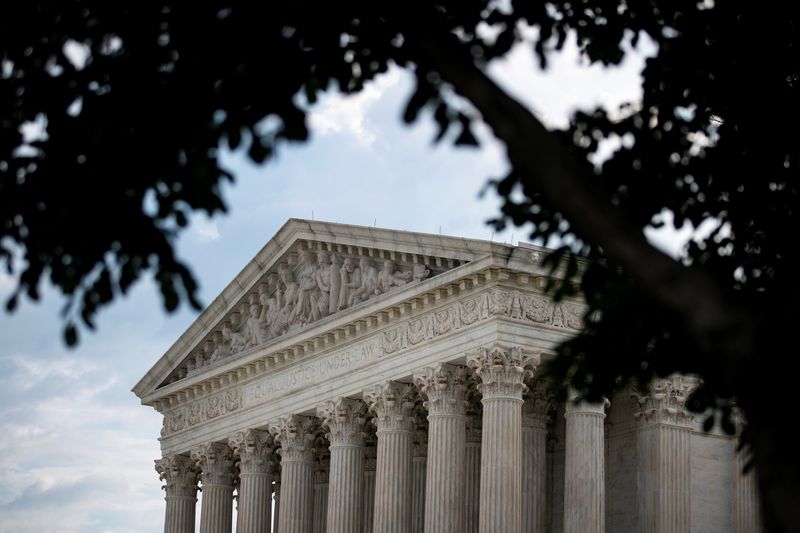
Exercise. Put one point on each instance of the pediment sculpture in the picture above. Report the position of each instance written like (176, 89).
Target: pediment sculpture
(320, 284)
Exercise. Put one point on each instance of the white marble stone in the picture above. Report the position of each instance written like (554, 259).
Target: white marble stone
(502, 372)
(746, 506)
(664, 468)
(295, 434)
(445, 388)
(253, 449)
(393, 405)
(216, 465)
(321, 497)
(343, 420)
(180, 474)
(584, 473)
(420, 462)
(472, 465)
(535, 419)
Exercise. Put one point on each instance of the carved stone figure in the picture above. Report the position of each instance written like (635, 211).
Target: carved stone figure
(268, 315)
(388, 278)
(222, 348)
(324, 283)
(237, 339)
(336, 282)
(306, 309)
(369, 281)
(251, 331)
(287, 298)
(349, 280)
(420, 272)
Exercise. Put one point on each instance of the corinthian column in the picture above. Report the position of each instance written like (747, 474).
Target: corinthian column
(746, 508)
(472, 461)
(420, 464)
(664, 433)
(253, 448)
(217, 474)
(535, 419)
(179, 474)
(370, 464)
(584, 469)
(344, 420)
(446, 390)
(502, 372)
(321, 497)
(295, 434)
(393, 405)
(276, 499)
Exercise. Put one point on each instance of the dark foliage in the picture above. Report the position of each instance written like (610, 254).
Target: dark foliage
(132, 137)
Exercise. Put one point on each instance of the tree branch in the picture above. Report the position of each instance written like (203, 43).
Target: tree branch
(556, 169)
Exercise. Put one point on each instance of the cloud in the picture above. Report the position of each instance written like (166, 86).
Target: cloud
(205, 228)
(338, 113)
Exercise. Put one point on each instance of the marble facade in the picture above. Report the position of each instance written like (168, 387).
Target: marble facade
(356, 379)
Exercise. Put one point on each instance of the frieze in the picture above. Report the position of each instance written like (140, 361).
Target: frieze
(514, 304)
(202, 410)
(497, 302)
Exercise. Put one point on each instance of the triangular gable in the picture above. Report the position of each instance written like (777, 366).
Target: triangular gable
(308, 272)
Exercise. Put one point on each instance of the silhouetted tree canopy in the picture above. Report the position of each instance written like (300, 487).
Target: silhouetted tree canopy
(137, 98)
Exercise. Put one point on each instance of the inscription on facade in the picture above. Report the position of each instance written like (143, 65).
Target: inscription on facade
(329, 366)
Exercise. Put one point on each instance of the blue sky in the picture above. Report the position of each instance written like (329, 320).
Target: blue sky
(77, 448)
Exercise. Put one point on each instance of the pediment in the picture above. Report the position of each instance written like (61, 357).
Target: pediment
(310, 272)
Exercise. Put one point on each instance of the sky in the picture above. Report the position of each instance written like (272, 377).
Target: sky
(76, 446)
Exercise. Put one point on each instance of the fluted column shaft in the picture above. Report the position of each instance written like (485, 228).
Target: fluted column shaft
(535, 419)
(584, 468)
(295, 435)
(321, 497)
(664, 479)
(502, 372)
(344, 420)
(180, 476)
(663, 449)
(534, 476)
(420, 461)
(445, 388)
(215, 461)
(393, 404)
(320, 507)
(370, 460)
(746, 507)
(254, 450)
(472, 486)
(276, 497)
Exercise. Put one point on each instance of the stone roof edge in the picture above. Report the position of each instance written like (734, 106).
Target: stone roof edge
(296, 229)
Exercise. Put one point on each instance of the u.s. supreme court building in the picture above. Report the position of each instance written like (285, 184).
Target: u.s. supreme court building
(354, 379)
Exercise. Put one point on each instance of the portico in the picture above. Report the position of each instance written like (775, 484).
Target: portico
(392, 378)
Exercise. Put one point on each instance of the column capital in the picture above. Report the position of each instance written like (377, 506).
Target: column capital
(295, 433)
(537, 407)
(179, 474)
(665, 402)
(576, 406)
(445, 386)
(215, 460)
(503, 370)
(343, 420)
(393, 405)
(253, 448)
